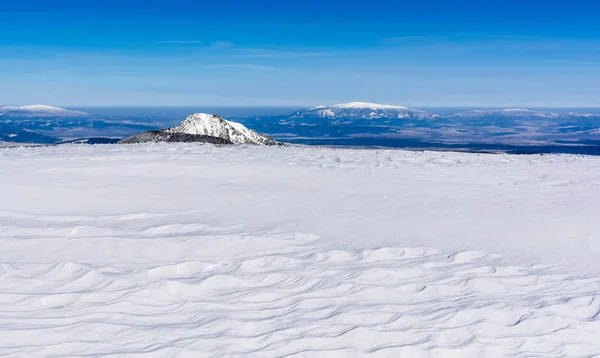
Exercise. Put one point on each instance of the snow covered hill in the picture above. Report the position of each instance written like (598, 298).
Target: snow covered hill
(39, 111)
(215, 126)
(362, 110)
(203, 127)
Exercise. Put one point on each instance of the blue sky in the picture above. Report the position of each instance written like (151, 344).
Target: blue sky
(417, 53)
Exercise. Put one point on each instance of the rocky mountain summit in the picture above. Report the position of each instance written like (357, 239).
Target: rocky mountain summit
(205, 128)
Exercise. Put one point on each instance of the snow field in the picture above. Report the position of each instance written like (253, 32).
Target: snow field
(196, 250)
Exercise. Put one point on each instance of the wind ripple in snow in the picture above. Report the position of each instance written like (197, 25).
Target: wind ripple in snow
(386, 302)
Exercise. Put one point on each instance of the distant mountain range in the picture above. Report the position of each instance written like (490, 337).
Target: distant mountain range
(519, 113)
(362, 110)
(351, 110)
(39, 111)
(508, 112)
(354, 123)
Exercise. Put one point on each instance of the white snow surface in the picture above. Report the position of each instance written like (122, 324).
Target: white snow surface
(187, 250)
(215, 126)
(39, 110)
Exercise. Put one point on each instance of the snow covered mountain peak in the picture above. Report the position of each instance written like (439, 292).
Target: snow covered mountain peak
(41, 107)
(215, 126)
(365, 105)
(39, 110)
(517, 110)
(200, 122)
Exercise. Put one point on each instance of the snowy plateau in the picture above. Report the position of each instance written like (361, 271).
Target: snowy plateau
(195, 250)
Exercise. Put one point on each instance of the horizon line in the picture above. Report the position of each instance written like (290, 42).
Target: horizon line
(302, 106)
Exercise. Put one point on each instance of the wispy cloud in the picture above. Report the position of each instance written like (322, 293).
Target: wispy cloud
(313, 54)
(222, 44)
(393, 40)
(270, 53)
(578, 62)
(179, 42)
(233, 49)
(247, 66)
(513, 37)
(457, 36)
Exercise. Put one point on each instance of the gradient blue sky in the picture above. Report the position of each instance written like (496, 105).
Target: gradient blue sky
(229, 52)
